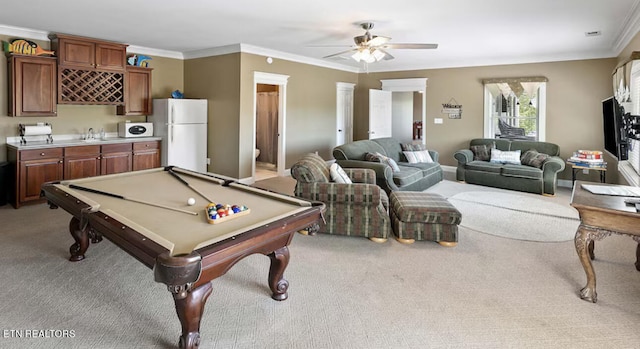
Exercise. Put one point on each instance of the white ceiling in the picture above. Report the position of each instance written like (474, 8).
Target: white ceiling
(469, 32)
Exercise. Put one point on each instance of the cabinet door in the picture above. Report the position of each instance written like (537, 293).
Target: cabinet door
(146, 160)
(111, 163)
(146, 155)
(81, 162)
(137, 92)
(76, 52)
(34, 173)
(111, 56)
(33, 86)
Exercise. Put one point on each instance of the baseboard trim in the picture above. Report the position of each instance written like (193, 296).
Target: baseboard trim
(565, 183)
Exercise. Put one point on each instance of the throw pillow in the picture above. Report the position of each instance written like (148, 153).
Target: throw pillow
(338, 175)
(389, 161)
(412, 146)
(482, 152)
(417, 156)
(532, 158)
(372, 157)
(505, 157)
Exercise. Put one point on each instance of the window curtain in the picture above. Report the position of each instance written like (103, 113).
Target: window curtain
(267, 126)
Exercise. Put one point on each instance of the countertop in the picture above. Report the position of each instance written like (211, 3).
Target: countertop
(64, 142)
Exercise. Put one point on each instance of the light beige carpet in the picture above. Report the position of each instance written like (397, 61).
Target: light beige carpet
(345, 292)
(516, 216)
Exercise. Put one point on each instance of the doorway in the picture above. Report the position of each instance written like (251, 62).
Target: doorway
(402, 101)
(266, 150)
(279, 86)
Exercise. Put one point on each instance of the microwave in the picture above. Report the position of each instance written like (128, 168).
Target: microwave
(135, 129)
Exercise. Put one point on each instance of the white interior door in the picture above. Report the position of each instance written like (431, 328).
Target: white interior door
(380, 111)
(344, 113)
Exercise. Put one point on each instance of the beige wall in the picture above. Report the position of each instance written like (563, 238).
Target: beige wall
(227, 82)
(574, 112)
(75, 119)
(311, 108)
(217, 79)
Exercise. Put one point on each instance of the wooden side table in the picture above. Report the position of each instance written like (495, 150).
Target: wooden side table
(576, 168)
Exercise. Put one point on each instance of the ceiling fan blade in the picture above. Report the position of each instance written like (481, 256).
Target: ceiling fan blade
(378, 41)
(387, 55)
(411, 46)
(329, 46)
(339, 53)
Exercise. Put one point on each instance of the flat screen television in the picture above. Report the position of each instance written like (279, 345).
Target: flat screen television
(615, 142)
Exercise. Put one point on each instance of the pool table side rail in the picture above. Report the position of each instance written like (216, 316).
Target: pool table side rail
(134, 243)
(235, 184)
(218, 258)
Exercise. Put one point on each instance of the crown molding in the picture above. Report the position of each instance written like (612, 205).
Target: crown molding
(261, 51)
(154, 52)
(628, 30)
(24, 32)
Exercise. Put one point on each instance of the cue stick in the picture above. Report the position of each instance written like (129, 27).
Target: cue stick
(95, 191)
(175, 175)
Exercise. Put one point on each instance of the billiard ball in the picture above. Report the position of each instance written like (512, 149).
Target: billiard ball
(191, 201)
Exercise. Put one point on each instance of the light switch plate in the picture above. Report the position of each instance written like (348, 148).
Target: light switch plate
(437, 120)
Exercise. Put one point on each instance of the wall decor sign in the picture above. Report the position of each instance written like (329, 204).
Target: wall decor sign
(453, 109)
(25, 47)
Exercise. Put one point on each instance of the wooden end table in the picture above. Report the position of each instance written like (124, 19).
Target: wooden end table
(601, 216)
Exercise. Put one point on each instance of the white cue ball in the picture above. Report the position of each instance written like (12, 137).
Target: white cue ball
(191, 201)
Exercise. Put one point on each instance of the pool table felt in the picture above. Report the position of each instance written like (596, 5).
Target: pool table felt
(177, 231)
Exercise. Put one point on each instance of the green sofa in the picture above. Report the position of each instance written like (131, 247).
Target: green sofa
(524, 178)
(411, 177)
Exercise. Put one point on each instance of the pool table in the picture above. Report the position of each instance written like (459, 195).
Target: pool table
(146, 214)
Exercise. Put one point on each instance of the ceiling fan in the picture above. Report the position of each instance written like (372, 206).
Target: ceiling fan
(372, 48)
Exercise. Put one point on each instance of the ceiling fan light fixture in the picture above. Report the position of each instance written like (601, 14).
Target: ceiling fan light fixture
(368, 55)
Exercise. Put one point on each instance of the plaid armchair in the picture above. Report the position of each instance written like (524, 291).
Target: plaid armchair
(357, 209)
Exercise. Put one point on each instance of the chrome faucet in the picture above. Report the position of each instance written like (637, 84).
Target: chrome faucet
(90, 134)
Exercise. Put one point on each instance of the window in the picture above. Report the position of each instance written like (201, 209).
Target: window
(515, 108)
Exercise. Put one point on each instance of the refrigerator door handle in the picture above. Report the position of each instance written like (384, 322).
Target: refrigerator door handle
(172, 115)
(171, 133)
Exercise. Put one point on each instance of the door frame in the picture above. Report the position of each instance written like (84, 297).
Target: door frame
(411, 85)
(281, 82)
(344, 111)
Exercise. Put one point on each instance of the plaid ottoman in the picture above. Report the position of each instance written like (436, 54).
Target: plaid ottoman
(423, 216)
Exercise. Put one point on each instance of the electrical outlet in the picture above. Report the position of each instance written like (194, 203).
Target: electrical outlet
(585, 171)
(437, 120)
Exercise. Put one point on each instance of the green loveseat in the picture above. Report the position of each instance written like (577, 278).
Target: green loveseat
(410, 177)
(526, 178)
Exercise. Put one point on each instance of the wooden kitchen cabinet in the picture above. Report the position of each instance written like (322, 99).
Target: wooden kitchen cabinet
(116, 158)
(81, 162)
(79, 52)
(146, 155)
(137, 92)
(32, 86)
(35, 167)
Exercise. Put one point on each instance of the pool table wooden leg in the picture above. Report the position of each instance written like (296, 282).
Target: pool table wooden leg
(190, 309)
(277, 283)
(81, 236)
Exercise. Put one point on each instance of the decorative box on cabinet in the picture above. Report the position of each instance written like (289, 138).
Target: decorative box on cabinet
(137, 92)
(32, 85)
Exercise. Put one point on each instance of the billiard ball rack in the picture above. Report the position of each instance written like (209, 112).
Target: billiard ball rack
(225, 218)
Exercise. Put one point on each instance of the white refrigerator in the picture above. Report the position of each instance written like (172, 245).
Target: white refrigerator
(182, 124)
